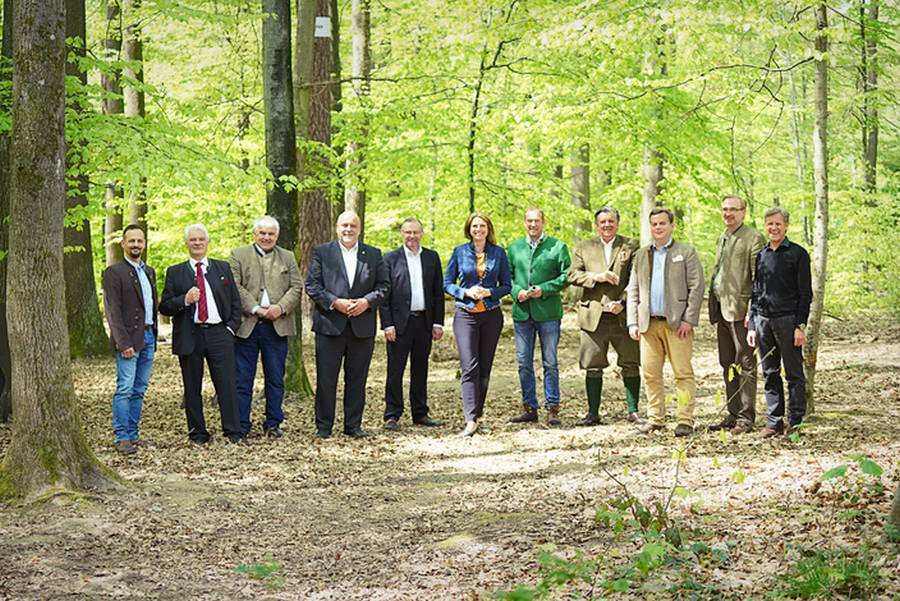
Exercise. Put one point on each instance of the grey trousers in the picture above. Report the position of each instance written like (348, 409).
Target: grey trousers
(740, 389)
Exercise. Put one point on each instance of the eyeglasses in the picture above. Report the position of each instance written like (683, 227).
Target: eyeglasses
(731, 210)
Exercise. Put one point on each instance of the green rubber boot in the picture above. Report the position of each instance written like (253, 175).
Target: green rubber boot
(593, 387)
(632, 392)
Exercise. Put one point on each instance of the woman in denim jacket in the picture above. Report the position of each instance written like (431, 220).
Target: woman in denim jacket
(477, 277)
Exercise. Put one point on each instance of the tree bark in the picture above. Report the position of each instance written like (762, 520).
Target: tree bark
(892, 528)
(355, 192)
(112, 104)
(337, 105)
(6, 58)
(870, 87)
(48, 449)
(133, 52)
(820, 229)
(581, 187)
(653, 174)
(87, 337)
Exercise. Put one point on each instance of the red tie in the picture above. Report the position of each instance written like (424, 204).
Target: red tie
(202, 309)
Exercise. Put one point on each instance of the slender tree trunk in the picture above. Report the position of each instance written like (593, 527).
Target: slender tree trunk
(133, 51)
(892, 528)
(6, 61)
(337, 105)
(355, 192)
(653, 175)
(281, 159)
(581, 188)
(48, 449)
(87, 337)
(473, 124)
(870, 87)
(112, 105)
(820, 232)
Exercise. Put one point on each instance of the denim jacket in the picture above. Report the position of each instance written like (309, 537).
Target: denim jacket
(462, 268)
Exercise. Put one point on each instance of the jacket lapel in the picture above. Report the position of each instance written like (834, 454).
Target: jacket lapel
(361, 257)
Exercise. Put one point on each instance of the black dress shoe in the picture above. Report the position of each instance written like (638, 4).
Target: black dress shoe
(323, 434)
(199, 442)
(391, 424)
(274, 432)
(241, 440)
(356, 433)
(428, 422)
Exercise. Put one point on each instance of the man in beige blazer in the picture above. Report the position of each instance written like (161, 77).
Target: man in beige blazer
(601, 266)
(270, 286)
(729, 297)
(664, 297)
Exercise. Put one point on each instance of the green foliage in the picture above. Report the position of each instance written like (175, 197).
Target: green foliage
(826, 574)
(266, 572)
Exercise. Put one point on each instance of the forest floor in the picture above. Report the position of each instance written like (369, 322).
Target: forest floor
(425, 514)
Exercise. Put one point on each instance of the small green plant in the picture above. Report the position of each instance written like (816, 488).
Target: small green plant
(825, 574)
(855, 485)
(266, 572)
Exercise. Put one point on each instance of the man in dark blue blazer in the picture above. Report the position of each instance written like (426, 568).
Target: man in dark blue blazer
(202, 299)
(411, 317)
(347, 280)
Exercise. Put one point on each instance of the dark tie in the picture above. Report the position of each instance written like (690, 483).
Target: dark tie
(202, 309)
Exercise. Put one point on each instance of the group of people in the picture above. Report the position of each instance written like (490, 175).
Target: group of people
(645, 301)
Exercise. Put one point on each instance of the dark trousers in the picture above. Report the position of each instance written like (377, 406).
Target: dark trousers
(476, 336)
(216, 345)
(265, 341)
(775, 338)
(355, 354)
(740, 389)
(415, 344)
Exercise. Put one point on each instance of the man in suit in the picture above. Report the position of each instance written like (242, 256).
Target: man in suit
(729, 297)
(129, 300)
(270, 285)
(537, 269)
(412, 316)
(664, 298)
(347, 280)
(601, 266)
(201, 297)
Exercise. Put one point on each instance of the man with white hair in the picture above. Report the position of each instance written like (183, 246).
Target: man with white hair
(270, 285)
(201, 298)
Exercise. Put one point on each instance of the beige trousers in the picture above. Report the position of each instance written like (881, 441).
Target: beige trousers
(659, 343)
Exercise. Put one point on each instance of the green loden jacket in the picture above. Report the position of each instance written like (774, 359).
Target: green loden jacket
(547, 269)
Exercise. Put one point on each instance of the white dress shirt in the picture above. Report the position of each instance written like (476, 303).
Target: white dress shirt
(416, 282)
(350, 259)
(212, 311)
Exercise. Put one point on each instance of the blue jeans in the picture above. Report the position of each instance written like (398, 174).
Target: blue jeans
(548, 331)
(265, 341)
(132, 376)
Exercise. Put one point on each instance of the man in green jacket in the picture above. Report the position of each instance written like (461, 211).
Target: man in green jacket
(601, 266)
(537, 265)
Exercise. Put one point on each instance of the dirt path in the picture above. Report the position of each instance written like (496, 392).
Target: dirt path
(425, 514)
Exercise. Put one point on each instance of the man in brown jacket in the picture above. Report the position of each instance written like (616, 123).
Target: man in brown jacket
(601, 266)
(129, 300)
(729, 297)
(664, 298)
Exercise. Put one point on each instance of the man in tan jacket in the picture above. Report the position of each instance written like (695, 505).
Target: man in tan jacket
(729, 297)
(664, 297)
(270, 286)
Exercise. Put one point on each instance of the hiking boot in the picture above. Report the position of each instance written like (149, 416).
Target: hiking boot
(125, 447)
(741, 428)
(553, 416)
(769, 431)
(529, 415)
(726, 424)
(648, 427)
(588, 420)
(683, 430)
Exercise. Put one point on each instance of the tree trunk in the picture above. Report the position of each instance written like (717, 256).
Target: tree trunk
(48, 449)
(355, 193)
(112, 104)
(653, 174)
(337, 105)
(581, 188)
(870, 88)
(5, 174)
(820, 231)
(473, 126)
(133, 51)
(892, 528)
(281, 158)
(87, 337)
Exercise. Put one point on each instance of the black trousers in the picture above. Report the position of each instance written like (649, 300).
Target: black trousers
(476, 336)
(355, 354)
(216, 345)
(775, 338)
(414, 344)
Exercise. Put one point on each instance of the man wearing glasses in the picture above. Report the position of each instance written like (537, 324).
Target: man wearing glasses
(729, 295)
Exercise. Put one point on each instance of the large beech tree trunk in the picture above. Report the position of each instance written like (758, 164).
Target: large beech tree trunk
(5, 405)
(112, 104)
(820, 227)
(48, 449)
(281, 157)
(87, 338)
(355, 192)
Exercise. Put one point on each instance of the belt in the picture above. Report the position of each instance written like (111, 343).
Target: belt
(148, 327)
(659, 317)
(206, 326)
(417, 313)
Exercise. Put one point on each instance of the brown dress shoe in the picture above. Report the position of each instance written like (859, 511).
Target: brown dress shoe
(553, 416)
(635, 418)
(769, 432)
(588, 420)
(528, 415)
(647, 427)
(741, 428)
(683, 430)
(125, 447)
(726, 424)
